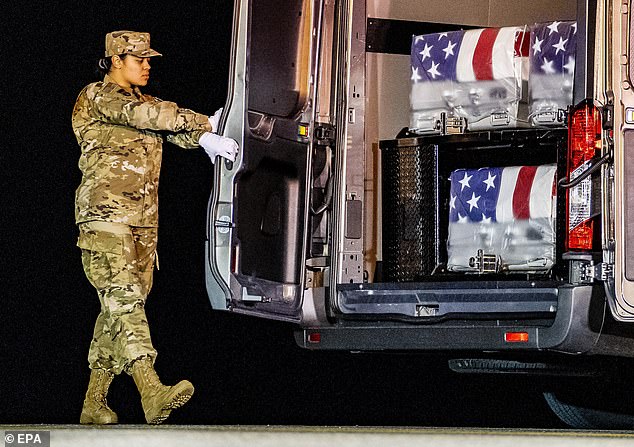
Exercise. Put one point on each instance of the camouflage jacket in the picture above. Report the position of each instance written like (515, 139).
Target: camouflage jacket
(121, 151)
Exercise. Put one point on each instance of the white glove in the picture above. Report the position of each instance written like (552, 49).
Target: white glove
(214, 120)
(215, 144)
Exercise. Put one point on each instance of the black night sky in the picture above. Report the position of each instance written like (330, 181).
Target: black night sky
(245, 370)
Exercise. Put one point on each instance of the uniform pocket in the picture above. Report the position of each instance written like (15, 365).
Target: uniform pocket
(108, 259)
(100, 241)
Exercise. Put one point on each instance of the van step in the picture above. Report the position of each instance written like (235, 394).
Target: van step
(491, 366)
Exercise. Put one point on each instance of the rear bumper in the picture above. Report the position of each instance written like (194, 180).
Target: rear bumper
(573, 330)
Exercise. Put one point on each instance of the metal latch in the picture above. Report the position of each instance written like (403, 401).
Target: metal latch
(486, 262)
(500, 119)
(325, 132)
(224, 224)
(550, 117)
(453, 124)
(598, 272)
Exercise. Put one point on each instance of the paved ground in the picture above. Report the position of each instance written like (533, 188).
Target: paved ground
(277, 436)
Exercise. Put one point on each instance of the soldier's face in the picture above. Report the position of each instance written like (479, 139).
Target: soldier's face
(135, 70)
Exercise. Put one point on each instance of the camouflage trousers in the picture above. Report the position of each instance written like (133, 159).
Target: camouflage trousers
(118, 261)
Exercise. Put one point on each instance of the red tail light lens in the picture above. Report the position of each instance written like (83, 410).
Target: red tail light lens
(584, 139)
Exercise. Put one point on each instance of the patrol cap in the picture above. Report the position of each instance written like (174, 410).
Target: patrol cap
(129, 42)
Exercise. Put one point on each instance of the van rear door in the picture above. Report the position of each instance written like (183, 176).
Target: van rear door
(619, 75)
(258, 212)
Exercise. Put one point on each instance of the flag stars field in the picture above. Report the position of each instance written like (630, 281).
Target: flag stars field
(553, 47)
(426, 52)
(452, 202)
(449, 49)
(473, 202)
(537, 46)
(416, 77)
(490, 181)
(547, 67)
(561, 45)
(433, 71)
(465, 181)
(553, 27)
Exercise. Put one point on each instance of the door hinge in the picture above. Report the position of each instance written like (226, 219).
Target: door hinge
(591, 272)
(602, 271)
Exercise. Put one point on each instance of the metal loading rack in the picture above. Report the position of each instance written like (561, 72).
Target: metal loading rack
(415, 190)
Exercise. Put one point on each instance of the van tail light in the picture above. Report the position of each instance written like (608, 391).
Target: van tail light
(584, 140)
(314, 337)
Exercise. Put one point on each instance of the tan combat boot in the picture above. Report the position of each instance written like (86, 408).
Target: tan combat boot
(96, 410)
(157, 399)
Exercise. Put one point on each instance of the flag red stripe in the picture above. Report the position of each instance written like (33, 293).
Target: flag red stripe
(522, 193)
(483, 55)
(522, 44)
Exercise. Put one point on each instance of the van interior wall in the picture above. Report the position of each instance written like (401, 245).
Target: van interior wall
(388, 83)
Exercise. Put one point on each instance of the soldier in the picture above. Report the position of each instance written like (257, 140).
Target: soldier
(120, 132)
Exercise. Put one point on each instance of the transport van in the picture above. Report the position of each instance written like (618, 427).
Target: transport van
(344, 210)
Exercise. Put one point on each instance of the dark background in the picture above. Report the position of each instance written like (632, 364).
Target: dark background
(246, 370)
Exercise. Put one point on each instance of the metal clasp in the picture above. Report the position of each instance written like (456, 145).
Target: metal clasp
(486, 262)
(453, 124)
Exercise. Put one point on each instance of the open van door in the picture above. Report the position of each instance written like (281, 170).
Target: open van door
(617, 57)
(259, 210)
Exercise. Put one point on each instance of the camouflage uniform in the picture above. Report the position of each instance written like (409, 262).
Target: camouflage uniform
(116, 205)
(118, 261)
(121, 151)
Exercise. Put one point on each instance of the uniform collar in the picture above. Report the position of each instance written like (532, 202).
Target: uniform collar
(135, 90)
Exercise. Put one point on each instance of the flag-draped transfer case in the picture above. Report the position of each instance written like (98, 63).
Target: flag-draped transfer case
(509, 212)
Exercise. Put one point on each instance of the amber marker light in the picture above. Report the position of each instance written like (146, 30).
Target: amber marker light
(302, 130)
(516, 337)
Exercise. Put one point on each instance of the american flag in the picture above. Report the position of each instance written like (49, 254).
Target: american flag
(507, 194)
(552, 48)
(464, 56)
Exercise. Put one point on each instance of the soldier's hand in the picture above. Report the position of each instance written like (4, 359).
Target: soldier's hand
(215, 144)
(214, 120)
